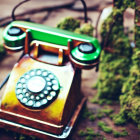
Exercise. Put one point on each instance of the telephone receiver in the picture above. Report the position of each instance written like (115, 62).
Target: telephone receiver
(43, 96)
(83, 51)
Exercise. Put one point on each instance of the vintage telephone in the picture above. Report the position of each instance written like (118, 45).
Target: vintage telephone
(43, 96)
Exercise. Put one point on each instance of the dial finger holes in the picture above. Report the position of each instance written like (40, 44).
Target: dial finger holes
(37, 88)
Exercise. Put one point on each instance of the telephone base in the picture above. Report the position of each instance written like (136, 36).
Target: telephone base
(27, 130)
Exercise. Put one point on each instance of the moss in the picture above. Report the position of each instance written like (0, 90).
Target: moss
(82, 133)
(72, 24)
(114, 67)
(117, 134)
(22, 137)
(104, 127)
(77, 30)
(124, 133)
(92, 117)
(119, 68)
(90, 132)
(130, 100)
(99, 101)
(107, 129)
(95, 85)
(2, 50)
(101, 123)
(111, 116)
(119, 119)
(100, 114)
(89, 137)
(87, 29)
(94, 100)
(69, 23)
(86, 113)
(107, 111)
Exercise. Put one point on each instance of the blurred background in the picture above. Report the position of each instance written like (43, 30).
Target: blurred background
(50, 12)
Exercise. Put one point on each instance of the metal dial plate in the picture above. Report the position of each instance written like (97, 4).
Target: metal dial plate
(37, 88)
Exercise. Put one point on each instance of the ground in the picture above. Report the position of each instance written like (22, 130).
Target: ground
(89, 77)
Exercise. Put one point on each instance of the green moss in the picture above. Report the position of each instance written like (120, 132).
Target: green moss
(104, 127)
(99, 101)
(101, 124)
(87, 29)
(92, 117)
(22, 137)
(82, 133)
(120, 68)
(90, 132)
(2, 50)
(119, 119)
(124, 133)
(107, 129)
(77, 30)
(107, 111)
(130, 100)
(114, 67)
(111, 116)
(95, 85)
(89, 137)
(117, 134)
(69, 23)
(86, 113)
(72, 24)
(94, 100)
(100, 114)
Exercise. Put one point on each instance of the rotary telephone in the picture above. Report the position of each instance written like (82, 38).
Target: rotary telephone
(43, 96)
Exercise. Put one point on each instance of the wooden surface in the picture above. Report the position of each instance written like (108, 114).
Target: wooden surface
(88, 76)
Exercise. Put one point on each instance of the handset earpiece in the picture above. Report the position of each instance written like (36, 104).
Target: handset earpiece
(85, 55)
(14, 38)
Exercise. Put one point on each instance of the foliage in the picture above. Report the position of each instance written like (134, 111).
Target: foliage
(130, 100)
(2, 51)
(72, 24)
(120, 69)
(86, 113)
(89, 133)
(107, 111)
(119, 119)
(117, 134)
(114, 67)
(116, 61)
(69, 24)
(96, 100)
(104, 127)
(86, 28)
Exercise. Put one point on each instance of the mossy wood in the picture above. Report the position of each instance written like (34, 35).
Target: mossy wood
(120, 64)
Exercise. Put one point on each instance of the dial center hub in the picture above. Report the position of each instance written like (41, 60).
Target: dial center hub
(36, 84)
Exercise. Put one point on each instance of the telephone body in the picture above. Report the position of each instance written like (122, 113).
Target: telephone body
(43, 96)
